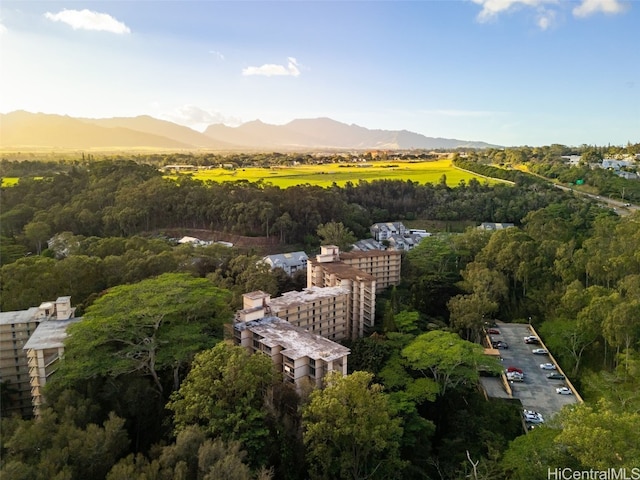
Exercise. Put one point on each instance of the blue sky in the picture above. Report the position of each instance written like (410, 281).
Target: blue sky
(508, 72)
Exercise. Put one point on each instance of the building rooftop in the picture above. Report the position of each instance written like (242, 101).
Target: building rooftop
(287, 258)
(18, 316)
(49, 334)
(296, 342)
(291, 299)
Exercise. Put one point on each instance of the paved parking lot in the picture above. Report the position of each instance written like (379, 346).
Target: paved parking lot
(537, 392)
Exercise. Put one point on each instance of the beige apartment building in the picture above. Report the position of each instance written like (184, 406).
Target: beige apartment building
(16, 328)
(302, 357)
(327, 270)
(384, 265)
(323, 311)
(44, 350)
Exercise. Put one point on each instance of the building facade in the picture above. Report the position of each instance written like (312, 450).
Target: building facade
(328, 270)
(16, 328)
(44, 350)
(303, 358)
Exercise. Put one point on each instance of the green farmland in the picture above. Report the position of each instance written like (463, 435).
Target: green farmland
(326, 175)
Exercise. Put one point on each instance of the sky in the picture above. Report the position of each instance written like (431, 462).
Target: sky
(507, 72)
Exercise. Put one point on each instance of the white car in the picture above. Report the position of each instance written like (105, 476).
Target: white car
(547, 366)
(532, 417)
(515, 376)
(563, 391)
(540, 351)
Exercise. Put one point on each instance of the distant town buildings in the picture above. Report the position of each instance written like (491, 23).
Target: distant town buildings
(26, 364)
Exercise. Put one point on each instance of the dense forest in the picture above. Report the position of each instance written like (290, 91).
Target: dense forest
(134, 401)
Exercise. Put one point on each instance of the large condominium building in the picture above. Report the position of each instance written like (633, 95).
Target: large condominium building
(384, 265)
(15, 330)
(327, 270)
(323, 311)
(302, 357)
(44, 350)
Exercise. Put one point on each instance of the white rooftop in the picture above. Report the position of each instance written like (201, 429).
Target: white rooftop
(18, 316)
(293, 298)
(49, 334)
(295, 342)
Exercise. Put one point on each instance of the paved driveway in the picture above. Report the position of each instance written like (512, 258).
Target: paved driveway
(537, 392)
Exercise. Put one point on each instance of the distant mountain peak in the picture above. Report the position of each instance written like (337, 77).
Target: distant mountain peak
(21, 128)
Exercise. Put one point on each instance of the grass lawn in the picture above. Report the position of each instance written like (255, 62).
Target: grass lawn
(326, 175)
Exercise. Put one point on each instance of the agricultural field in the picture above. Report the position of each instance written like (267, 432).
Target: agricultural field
(339, 173)
(8, 181)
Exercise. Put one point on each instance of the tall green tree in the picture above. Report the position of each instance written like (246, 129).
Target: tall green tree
(335, 233)
(447, 359)
(225, 393)
(151, 329)
(350, 430)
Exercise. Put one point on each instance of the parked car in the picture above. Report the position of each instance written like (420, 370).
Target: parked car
(540, 351)
(515, 369)
(564, 391)
(555, 376)
(500, 344)
(547, 366)
(532, 417)
(493, 331)
(515, 376)
(532, 339)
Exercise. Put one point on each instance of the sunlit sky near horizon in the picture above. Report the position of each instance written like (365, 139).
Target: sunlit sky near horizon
(507, 72)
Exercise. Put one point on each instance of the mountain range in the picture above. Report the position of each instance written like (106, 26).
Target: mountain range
(25, 130)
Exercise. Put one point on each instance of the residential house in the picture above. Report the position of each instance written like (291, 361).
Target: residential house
(290, 262)
(382, 231)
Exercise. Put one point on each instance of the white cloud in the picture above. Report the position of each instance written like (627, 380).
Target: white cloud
(217, 54)
(197, 118)
(491, 8)
(546, 18)
(270, 69)
(88, 20)
(589, 7)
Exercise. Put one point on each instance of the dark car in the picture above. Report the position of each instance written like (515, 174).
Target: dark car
(555, 376)
(500, 344)
(493, 331)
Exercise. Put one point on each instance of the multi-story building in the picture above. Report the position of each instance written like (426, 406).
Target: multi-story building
(383, 265)
(44, 349)
(327, 270)
(323, 311)
(15, 330)
(302, 357)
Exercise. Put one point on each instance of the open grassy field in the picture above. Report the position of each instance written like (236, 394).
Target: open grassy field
(8, 181)
(326, 175)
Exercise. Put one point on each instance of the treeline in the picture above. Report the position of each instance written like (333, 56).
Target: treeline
(124, 198)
